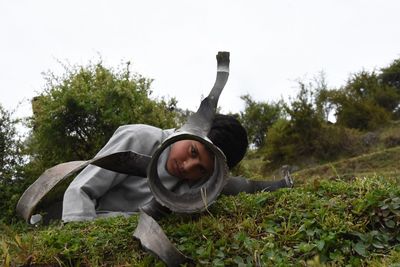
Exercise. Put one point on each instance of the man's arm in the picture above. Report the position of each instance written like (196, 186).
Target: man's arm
(80, 197)
(236, 185)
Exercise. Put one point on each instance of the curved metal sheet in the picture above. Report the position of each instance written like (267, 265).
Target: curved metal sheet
(195, 200)
(127, 162)
(44, 184)
(153, 239)
(200, 122)
(196, 128)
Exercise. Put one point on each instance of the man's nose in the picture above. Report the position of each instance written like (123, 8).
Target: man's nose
(191, 164)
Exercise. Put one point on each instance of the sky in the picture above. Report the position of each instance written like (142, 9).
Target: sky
(272, 44)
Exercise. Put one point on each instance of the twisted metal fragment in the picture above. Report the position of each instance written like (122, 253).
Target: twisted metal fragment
(153, 239)
(196, 128)
(52, 179)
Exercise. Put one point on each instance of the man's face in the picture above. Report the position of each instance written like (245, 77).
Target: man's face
(190, 160)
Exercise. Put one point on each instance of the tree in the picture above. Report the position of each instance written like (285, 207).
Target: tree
(78, 112)
(297, 137)
(368, 86)
(391, 76)
(11, 162)
(364, 102)
(9, 146)
(305, 120)
(258, 117)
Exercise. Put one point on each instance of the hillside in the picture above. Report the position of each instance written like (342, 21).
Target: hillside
(341, 212)
(345, 212)
(385, 163)
(377, 151)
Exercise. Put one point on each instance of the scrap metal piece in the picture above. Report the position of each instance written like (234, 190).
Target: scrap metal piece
(127, 162)
(47, 187)
(196, 128)
(153, 239)
(200, 122)
(44, 184)
(199, 198)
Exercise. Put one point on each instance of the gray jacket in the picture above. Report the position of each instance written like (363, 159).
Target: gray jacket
(100, 192)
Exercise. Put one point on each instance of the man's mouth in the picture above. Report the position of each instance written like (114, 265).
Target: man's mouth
(178, 170)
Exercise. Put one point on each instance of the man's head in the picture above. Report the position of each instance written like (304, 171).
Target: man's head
(228, 134)
(191, 160)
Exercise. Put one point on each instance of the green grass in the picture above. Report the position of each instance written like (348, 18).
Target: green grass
(334, 222)
(342, 213)
(385, 162)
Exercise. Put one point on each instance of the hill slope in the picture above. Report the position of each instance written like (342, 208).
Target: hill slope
(386, 162)
(346, 212)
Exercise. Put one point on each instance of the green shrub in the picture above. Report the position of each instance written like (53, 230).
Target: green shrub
(78, 112)
(335, 141)
(391, 137)
(291, 138)
(280, 147)
(362, 115)
(258, 117)
(287, 146)
(12, 183)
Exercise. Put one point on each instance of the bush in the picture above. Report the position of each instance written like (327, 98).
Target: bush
(391, 74)
(258, 117)
(78, 112)
(292, 138)
(362, 115)
(11, 163)
(391, 137)
(280, 148)
(336, 141)
(364, 103)
(286, 146)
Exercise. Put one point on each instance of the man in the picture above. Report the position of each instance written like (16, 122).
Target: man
(98, 192)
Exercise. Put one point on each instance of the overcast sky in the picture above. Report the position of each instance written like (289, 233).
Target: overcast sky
(272, 43)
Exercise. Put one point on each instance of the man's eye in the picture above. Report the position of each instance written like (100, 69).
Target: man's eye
(193, 151)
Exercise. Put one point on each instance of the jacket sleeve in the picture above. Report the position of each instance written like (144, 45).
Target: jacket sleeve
(235, 185)
(92, 183)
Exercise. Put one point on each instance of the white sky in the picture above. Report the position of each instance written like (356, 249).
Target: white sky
(272, 43)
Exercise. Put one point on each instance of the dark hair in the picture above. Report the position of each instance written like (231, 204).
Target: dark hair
(230, 136)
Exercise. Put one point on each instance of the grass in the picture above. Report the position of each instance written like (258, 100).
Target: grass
(344, 213)
(333, 222)
(384, 162)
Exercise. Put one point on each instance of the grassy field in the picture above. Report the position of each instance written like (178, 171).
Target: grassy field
(341, 213)
(385, 163)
